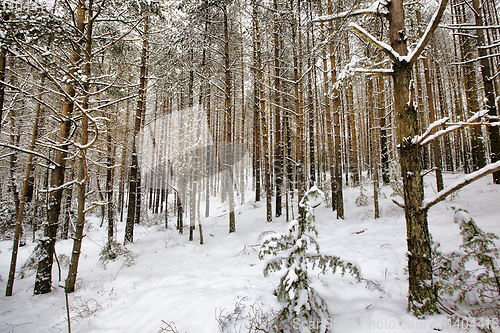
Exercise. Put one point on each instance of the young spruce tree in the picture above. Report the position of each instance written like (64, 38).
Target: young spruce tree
(304, 310)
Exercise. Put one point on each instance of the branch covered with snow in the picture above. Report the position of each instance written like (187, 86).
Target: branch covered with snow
(426, 137)
(374, 71)
(419, 138)
(433, 24)
(377, 8)
(470, 178)
(6, 145)
(395, 57)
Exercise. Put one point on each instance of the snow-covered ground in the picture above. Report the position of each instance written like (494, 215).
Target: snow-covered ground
(174, 280)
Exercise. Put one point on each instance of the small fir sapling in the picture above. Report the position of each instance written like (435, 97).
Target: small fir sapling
(476, 285)
(113, 250)
(396, 180)
(290, 251)
(362, 200)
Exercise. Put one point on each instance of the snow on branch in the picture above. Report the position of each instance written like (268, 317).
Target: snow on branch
(472, 177)
(6, 145)
(437, 123)
(395, 57)
(94, 205)
(377, 8)
(476, 59)
(426, 137)
(63, 186)
(374, 71)
(433, 24)
(468, 26)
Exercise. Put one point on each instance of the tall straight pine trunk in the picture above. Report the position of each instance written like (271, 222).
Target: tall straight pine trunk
(133, 213)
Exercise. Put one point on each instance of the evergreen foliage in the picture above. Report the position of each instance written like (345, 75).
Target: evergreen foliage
(362, 200)
(471, 276)
(113, 250)
(290, 251)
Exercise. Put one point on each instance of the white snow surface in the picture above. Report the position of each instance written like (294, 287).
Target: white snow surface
(189, 284)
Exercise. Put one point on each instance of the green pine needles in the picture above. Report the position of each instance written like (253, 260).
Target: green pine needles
(304, 310)
(471, 276)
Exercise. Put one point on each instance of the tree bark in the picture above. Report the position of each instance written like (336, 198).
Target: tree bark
(133, 212)
(338, 198)
(82, 168)
(26, 183)
(278, 151)
(489, 91)
(43, 278)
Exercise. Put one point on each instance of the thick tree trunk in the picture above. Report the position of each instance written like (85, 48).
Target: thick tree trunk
(421, 298)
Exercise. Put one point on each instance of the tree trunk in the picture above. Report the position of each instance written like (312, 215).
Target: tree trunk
(133, 213)
(278, 151)
(489, 92)
(384, 151)
(374, 145)
(110, 172)
(337, 172)
(123, 167)
(3, 63)
(229, 117)
(421, 298)
(43, 278)
(26, 183)
(82, 169)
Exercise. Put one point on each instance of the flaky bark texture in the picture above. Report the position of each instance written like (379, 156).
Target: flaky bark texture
(421, 297)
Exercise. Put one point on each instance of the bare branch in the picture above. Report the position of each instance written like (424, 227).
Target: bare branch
(398, 204)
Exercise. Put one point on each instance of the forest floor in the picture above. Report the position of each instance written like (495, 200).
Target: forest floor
(172, 280)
